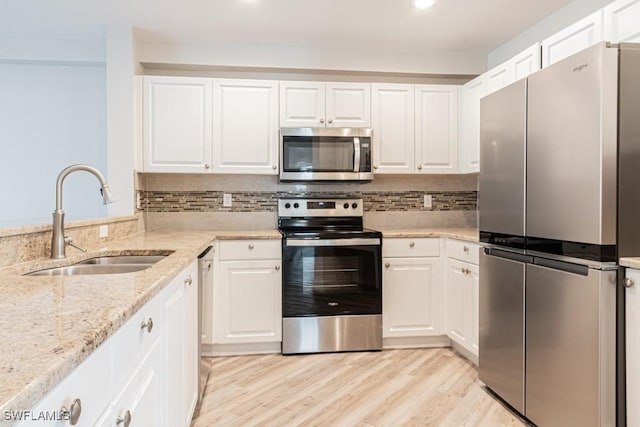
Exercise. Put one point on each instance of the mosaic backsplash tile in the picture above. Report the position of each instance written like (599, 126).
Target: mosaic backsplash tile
(267, 201)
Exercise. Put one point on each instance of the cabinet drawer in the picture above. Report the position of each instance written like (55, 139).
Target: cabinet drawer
(250, 249)
(463, 251)
(132, 341)
(410, 247)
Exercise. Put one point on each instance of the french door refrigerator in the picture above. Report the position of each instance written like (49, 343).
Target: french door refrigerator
(548, 325)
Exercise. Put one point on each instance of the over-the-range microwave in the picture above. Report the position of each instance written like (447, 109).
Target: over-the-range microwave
(325, 154)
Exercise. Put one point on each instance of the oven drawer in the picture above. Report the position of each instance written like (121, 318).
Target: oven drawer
(462, 251)
(402, 247)
(250, 249)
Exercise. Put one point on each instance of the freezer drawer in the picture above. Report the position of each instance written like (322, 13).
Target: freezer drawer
(501, 355)
(570, 345)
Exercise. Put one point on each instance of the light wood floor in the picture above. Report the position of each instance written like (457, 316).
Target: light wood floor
(417, 387)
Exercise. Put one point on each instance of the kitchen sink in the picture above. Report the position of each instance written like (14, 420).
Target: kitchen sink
(102, 265)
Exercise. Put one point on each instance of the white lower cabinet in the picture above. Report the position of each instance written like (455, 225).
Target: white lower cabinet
(144, 374)
(632, 323)
(247, 305)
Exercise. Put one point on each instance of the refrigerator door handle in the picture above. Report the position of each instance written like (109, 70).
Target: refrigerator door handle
(568, 267)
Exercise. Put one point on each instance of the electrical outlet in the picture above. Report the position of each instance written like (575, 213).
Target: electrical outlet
(227, 201)
(103, 231)
(427, 201)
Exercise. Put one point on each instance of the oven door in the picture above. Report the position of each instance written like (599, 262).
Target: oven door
(331, 277)
(332, 154)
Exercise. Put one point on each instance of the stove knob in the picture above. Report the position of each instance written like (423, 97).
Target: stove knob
(346, 206)
(287, 205)
(354, 205)
(296, 205)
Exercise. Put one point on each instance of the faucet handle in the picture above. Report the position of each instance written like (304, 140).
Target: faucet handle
(69, 241)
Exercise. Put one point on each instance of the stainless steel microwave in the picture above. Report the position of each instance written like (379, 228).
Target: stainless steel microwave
(325, 154)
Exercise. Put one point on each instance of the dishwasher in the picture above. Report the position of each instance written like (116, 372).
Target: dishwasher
(205, 293)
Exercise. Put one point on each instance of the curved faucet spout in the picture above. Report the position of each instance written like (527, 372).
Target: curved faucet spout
(58, 242)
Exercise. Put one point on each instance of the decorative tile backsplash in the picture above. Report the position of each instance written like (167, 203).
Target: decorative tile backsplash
(267, 201)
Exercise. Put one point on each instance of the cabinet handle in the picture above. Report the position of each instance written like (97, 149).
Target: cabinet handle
(148, 325)
(126, 420)
(206, 166)
(375, 166)
(411, 244)
(387, 265)
(251, 246)
(274, 167)
(466, 249)
(628, 282)
(277, 268)
(330, 121)
(188, 281)
(73, 413)
(322, 121)
(419, 167)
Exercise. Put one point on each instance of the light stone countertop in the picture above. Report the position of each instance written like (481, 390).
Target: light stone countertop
(49, 325)
(630, 262)
(467, 234)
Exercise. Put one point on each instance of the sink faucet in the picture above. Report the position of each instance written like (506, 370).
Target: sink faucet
(58, 240)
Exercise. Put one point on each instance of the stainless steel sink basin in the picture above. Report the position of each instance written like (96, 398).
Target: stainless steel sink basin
(82, 269)
(103, 265)
(123, 259)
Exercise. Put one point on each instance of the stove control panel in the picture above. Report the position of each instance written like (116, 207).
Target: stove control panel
(319, 207)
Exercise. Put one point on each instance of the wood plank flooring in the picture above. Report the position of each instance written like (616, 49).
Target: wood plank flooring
(416, 387)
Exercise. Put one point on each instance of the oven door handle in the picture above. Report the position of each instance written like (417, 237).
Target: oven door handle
(332, 242)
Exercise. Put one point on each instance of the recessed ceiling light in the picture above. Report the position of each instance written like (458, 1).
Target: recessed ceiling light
(422, 4)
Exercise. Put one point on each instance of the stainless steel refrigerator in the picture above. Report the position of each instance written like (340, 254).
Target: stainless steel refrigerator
(559, 203)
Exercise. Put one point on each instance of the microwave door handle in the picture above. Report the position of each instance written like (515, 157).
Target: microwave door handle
(356, 155)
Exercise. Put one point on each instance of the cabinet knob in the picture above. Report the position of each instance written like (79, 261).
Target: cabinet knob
(466, 249)
(412, 244)
(330, 121)
(387, 265)
(322, 121)
(207, 166)
(277, 268)
(375, 166)
(148, 325)
(274, 167)
(188, 280)
(419, 167)
(251, 246)
(628, 283)
(73, 413)
(126, 420)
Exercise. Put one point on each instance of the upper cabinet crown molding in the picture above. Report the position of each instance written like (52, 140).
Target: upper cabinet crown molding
(621, 21)
(319, 104)
(572, 39)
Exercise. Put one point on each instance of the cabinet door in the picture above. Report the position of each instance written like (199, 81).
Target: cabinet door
(248, 302)
(191, 341)
(459, 303)
(526, 62)
(411, 297)
(573, 39)
(245, 123)
(177, 124)
(174, 354)
(436, 129)
(500, 76)
(632, 304)
(621, 20)
(302, 104)
(474, 310)
(472, 92)
(348, 105)
(393, 118)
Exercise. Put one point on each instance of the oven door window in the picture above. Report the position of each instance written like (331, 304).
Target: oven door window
(317, 154)
(334, 280)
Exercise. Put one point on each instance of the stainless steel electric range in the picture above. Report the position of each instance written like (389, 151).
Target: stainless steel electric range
(332, 277)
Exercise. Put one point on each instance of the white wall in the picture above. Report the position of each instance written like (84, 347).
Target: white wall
(51, 115)
(564, 17)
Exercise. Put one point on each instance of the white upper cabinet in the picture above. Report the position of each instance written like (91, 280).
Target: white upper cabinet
(622, 21)
(526, 62)
(472, 92)
(245, 126)
(573, 39)
(500, 76)
(392, 114)
(436, 147)
(177, 124)
(318, 104)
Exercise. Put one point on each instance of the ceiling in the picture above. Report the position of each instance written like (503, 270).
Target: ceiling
(450, 25)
